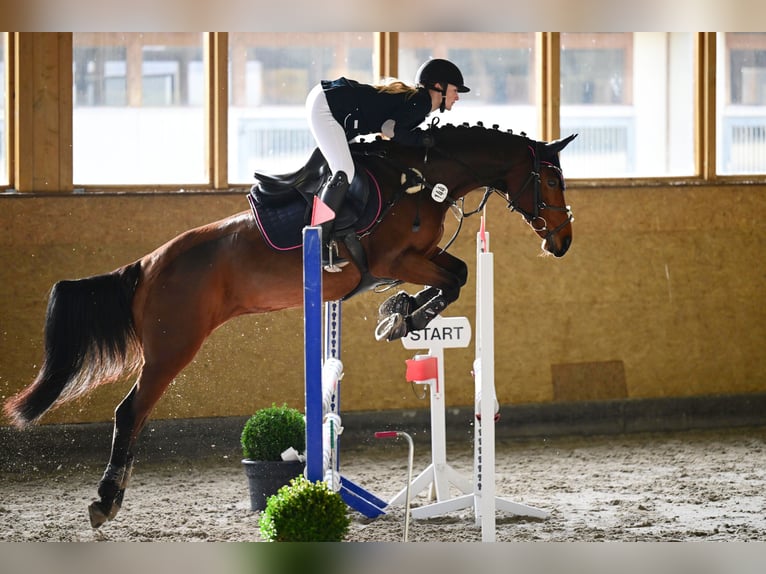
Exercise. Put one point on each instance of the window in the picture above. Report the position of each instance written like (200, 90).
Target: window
(499, 69)
(630, 97)
(741, 103)
(270, 77)
(143, 117)
(138, 109)
(4, 179)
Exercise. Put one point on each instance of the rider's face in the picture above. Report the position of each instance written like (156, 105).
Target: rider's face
(451, 97)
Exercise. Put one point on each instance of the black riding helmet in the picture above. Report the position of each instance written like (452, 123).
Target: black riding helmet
(439, 71)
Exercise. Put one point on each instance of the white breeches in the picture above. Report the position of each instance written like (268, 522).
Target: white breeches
(328, 133)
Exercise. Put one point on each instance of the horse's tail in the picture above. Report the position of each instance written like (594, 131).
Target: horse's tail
(90, 339)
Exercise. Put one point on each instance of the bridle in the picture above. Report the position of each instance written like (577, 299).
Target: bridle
(534, 218)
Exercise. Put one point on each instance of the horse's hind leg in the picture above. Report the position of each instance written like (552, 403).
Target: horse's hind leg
(111, 487)
(130, 417)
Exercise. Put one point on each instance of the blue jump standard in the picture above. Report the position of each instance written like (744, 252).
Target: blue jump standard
(354, 495)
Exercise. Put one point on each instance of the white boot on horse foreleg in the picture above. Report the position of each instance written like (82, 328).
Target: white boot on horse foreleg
(397, 326)
(422, 316)
(391, 328)
(404, 303)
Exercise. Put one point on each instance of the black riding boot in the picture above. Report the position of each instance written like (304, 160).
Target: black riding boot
(332, 195)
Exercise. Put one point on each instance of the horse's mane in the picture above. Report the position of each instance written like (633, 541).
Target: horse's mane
(458, 137)
(457, 140)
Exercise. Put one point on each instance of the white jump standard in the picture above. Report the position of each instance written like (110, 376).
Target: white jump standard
(450, 333)
(429, 370)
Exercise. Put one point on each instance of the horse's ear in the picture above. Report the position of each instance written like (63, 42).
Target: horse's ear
(557, 145)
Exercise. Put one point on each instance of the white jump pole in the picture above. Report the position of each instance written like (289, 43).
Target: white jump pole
(486, 402)
(484, 388)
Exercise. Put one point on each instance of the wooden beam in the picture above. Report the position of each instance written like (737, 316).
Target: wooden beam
(705, 106)
(217, 108)
(42, 103)
(10, 116)
(134, 74)
(386, 55)
(548, 47)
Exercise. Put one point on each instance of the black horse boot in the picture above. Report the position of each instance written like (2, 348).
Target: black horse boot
(332, 195)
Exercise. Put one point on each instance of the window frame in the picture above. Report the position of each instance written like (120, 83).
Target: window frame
(385, 62)
(7, 84)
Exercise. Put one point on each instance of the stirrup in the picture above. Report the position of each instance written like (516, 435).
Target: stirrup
(333, 265)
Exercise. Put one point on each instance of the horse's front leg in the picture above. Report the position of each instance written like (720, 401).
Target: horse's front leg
(404, 303)
(402, 313)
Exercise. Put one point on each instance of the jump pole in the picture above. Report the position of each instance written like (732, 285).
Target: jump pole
(480, 494)
(323, 372)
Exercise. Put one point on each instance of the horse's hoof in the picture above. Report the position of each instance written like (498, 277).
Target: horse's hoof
(391, 328)
(99, 512)
(97, 515)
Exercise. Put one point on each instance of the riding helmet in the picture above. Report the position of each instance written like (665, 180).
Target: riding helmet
(439, 71)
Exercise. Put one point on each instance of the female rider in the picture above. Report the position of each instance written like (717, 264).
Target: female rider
(340, 110)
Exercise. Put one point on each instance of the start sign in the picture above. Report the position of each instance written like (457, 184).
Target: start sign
(441, 333)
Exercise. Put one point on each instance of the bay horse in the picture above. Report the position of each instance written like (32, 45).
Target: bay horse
(151, 316)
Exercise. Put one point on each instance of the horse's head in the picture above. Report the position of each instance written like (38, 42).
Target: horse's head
(527, 173)
(540, 199)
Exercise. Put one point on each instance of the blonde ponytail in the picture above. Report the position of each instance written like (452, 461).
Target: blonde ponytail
(396, 87)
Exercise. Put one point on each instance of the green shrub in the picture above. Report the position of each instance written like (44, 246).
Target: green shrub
(303, 511)
(271, 431)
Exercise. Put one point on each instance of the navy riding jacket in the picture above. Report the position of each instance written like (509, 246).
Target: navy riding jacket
(361, 109)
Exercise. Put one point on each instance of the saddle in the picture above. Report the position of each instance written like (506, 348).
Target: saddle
(282, 204)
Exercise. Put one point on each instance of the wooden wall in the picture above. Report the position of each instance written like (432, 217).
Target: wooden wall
(661, 295)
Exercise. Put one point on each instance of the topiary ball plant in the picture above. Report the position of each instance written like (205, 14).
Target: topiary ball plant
(272, 430)
(305, 511)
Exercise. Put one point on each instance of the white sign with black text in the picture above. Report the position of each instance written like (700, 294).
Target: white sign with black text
(441, 333)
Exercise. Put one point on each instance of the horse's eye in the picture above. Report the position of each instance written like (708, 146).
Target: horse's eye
(552, 182)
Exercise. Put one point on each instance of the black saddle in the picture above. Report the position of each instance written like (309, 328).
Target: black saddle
(282, 204)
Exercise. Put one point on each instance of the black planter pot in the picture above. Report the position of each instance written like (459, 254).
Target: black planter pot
(266, 477)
